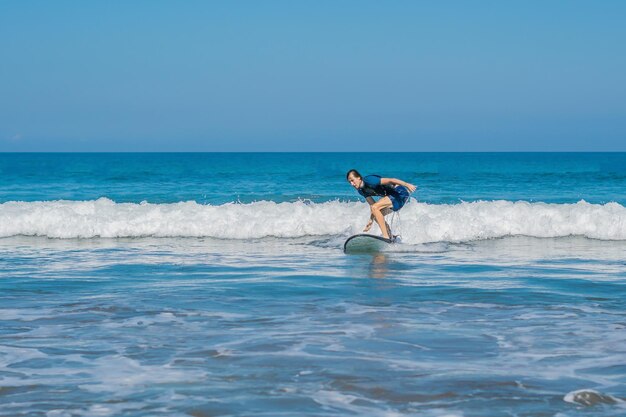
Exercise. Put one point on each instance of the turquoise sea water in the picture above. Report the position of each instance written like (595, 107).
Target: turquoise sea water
(215, 284)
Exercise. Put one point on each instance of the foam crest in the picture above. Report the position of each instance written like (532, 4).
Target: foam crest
(420, 222)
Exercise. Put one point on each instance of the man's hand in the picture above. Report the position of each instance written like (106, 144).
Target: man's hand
(368, 226)
(410, 187)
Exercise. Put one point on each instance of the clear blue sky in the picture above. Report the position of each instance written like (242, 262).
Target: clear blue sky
(312, 76)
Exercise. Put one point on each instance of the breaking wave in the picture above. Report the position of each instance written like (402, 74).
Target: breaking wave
(419, 223)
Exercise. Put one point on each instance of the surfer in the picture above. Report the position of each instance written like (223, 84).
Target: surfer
(394, 194)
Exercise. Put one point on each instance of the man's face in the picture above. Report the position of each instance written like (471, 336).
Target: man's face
(355, 181)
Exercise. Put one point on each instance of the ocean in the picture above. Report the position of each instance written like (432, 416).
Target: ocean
(215, 284)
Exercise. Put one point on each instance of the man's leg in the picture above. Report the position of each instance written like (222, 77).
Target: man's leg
(382, 206)
(385, 212)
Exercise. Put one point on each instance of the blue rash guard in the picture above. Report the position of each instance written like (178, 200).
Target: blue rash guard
(372, 186)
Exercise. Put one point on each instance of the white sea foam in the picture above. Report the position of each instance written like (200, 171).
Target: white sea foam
(420, 222)
(120, 374)
(589, 397)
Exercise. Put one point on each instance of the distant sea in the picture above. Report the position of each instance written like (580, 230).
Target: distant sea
(192, 284)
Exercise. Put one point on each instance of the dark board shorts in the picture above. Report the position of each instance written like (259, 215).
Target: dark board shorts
(399, 198)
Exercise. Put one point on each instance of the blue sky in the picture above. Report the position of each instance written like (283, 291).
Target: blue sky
(312, 76)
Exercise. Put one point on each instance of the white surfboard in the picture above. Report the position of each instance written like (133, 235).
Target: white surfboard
(364, 243)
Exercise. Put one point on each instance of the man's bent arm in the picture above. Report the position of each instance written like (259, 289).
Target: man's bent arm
(371, 201)
(395, 181)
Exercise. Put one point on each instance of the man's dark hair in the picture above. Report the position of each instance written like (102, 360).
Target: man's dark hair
(355, 172)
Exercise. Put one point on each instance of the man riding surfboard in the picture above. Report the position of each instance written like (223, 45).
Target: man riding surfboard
(394, 194)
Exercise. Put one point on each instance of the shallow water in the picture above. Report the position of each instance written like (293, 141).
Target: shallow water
(202, 327)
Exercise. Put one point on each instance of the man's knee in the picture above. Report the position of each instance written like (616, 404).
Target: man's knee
(383, 208)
